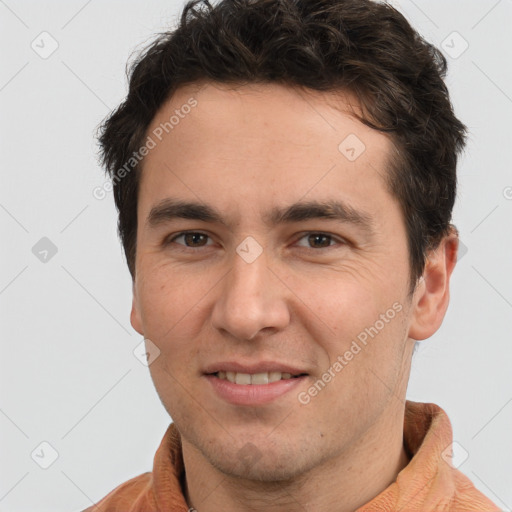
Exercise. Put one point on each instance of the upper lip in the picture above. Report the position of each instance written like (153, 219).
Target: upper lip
(254, 367)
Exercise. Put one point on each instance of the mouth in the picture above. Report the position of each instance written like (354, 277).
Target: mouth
(261, 378)
(254, 389)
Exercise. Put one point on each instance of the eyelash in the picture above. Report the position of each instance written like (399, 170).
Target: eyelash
(334, 238)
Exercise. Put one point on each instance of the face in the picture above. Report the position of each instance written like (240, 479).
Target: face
(296, 263)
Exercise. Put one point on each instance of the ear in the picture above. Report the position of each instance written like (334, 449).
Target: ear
(135, 318)
(432, 293)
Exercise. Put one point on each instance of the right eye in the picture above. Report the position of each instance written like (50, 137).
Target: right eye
(191, 239)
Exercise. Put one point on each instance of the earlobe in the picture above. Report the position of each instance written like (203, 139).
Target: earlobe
(135, 318)
(432, 294)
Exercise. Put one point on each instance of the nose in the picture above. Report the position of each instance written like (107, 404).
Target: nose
(251, 298)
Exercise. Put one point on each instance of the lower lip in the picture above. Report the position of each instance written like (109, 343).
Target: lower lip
(253, 394)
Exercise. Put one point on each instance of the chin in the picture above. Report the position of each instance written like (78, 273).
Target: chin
(265, 470)
(261, 462)
(259, 456)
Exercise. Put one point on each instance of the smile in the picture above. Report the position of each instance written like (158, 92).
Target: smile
(253, 389)
(255, 378)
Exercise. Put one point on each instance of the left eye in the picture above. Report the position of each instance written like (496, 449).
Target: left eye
(319, 240)
(195, 239)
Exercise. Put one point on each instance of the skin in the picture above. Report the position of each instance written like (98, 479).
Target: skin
(245, 150)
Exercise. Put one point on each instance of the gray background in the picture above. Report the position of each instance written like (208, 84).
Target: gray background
(68, 373)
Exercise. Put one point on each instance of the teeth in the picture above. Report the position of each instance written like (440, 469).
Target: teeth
(274, 376)
(259, 378)
(255, 378)
(242, 378)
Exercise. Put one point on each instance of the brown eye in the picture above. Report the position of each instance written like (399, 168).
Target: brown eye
(191, 239)
(319, 241)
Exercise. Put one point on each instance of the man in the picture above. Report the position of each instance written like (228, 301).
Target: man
(284, 172)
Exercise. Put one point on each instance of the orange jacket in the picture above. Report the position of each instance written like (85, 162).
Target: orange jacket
(429, 483)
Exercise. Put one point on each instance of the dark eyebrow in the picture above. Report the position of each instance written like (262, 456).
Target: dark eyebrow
(336, 210)
(169, 209)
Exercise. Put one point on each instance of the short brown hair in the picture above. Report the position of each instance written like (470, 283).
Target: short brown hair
(359, 46)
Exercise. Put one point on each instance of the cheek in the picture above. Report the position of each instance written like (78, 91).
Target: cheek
(364, 323)
(167, 293)
(174, 308)
(343, 299)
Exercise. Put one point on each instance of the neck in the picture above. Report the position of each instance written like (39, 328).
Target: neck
(343, 483)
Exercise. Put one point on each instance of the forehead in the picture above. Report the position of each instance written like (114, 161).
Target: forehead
(262, 143)
(300, 116)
